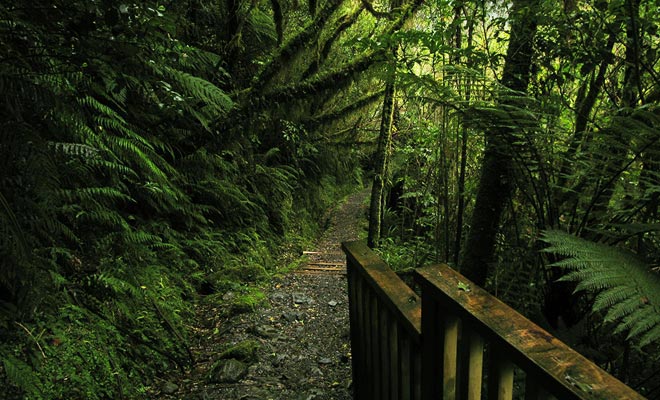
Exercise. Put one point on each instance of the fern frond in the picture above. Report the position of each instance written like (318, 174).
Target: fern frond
(115, 284)
(201, 89)
(94, 195)
(650, 336)
(105, 216)
(622, 308)
(140, 237)
(626, 288)
(612, 296)
(115, 167)
(21, 374)
(75, 149)
(101, 108)
(123, 145)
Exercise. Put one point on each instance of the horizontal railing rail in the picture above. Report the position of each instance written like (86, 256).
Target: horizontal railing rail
(456, 342)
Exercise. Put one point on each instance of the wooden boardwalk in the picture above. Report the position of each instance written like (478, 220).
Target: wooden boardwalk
(455, 342)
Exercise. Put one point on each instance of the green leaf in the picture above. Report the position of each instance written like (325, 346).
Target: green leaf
(624, 285)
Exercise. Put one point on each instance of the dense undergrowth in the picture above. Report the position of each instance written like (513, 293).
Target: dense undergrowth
(128, 188)
(106, 328)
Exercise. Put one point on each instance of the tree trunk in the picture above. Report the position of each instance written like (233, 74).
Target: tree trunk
(495, 184)
(380, 171)
(463, 155)
(618, 141)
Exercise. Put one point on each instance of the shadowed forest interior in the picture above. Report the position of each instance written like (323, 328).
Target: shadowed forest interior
(154, 155)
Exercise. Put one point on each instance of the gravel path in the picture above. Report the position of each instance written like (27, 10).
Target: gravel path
(296, 346)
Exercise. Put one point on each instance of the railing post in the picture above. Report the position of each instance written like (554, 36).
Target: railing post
(533, 389)
(475, 365)
(432, 349)
(450, 357)
(395, 358)
(402, 350)
(355, 311)
(500, 375)
(385, 354)
(377, 366)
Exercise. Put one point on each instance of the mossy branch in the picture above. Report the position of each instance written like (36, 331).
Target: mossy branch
(346, 22)
(378, 14)
(345, 111)
(335, 79)
(293, 46)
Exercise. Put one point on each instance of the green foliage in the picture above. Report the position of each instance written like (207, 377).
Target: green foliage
(405, 256)
(626, 290)
(137, 175)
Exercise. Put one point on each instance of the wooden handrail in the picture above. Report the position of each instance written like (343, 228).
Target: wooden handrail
(549, 364)
(437, 347)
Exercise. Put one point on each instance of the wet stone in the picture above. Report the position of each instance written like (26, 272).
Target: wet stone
(229, 371)
(292, 316)
(299, 298)
(169, 387)
(278, 296)
(266, 331)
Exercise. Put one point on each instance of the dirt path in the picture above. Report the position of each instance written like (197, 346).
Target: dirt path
(296, 346)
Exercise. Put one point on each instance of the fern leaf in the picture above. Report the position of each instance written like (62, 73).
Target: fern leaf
(651, 336)
(625, 286)
(609, 297)
(201, 89)
(622, 308)
(99, 107)
(75, 149)
(21, 374)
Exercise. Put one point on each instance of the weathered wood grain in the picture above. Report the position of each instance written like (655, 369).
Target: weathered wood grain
(556, 367)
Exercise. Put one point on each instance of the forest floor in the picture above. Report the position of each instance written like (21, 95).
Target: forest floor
(295, 345)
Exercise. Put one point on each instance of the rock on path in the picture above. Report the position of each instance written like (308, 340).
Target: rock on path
(296, 347)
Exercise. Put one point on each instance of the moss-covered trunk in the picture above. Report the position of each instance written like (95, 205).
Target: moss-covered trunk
(380, 170)
(495, 185)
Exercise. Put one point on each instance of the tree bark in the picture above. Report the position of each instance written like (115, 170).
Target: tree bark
(463, 154)
(495, 184)
(380, 172)
(618, 141)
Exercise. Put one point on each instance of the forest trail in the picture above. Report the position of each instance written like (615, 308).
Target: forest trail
(296, 345)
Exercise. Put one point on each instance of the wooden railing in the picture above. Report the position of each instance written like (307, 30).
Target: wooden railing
(386, 322)
(434, 348)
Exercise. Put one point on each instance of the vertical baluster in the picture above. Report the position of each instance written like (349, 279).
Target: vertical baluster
(475, 366)
(375, 347)
(450, 357)
(384, 351)
(432, 348)
(357, 328)
(533, 390)
(417, 374)
(406, 367)
(353, 313)
(366, 341)
(500, 375)
(395, 375)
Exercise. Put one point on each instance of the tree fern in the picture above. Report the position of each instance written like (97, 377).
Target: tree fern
(627, 291)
